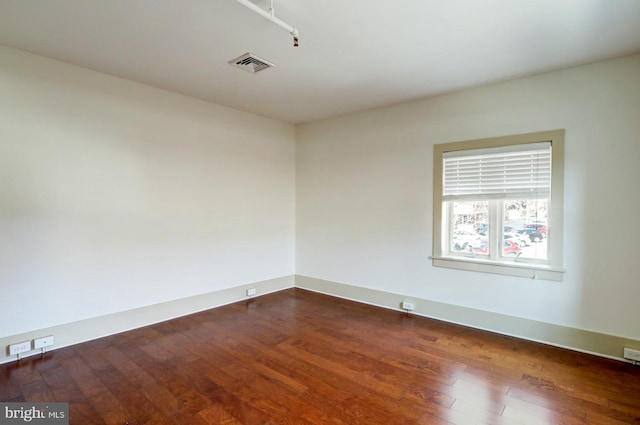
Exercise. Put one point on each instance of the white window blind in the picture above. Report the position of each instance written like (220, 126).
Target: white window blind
(515, 172)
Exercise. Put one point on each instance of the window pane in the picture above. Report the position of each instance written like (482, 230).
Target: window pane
(469, 226)
(525, 222)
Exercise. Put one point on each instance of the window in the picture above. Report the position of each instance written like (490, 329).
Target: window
(498, 205)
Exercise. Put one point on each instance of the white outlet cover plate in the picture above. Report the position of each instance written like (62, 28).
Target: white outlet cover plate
(632, 354)
(19, 348)
(45, 341)
(407, 305)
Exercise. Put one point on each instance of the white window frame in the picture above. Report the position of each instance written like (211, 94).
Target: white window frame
(552, 269)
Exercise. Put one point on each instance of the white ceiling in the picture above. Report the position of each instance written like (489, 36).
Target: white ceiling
(353, 54)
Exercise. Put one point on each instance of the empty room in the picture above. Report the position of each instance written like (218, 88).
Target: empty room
(339, 212)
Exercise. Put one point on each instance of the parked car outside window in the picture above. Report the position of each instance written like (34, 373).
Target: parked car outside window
(463, 239)
(533, 234)
(540, 227)
(509, 249)
(521, 240)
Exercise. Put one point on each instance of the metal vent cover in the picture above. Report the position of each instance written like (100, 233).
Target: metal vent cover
(251, 63)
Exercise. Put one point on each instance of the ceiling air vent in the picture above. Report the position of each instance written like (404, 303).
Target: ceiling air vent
(251, 63)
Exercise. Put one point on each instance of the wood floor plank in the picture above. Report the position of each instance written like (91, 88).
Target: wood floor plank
(38, 390)
(298, 357)
(61, 384)
(140, 409)
(105, 403)
(218, 415)
(136, 375)
(562, 402)
(344, 371)
(9, 386)
(527, 413)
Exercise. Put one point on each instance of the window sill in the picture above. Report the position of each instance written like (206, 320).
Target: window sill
(509, 268)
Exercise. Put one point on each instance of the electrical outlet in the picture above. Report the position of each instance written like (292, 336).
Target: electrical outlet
(251, 292)
(45, 341)
(19, 348)
(632, 354)
(406, 305)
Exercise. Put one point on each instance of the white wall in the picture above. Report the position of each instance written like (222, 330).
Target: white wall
(115, 195)
(364, 196)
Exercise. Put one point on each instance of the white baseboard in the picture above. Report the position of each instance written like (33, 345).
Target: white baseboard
(560, 336)
(97, 327)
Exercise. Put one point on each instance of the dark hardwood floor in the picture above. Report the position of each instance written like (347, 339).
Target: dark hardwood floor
(296, 357)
